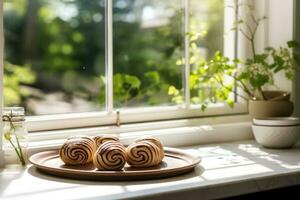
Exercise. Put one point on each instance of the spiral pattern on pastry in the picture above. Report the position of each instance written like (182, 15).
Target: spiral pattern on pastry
(155, 141)
(77, 150)
(104, 138)
(110, 155)
(143, 154)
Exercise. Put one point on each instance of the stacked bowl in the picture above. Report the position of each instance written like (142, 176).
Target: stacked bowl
(276, 132)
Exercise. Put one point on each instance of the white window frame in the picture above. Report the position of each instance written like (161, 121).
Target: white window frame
(87, 119)
(1, 81)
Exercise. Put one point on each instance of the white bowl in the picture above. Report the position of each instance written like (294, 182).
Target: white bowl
(277, 121)
(276, 137)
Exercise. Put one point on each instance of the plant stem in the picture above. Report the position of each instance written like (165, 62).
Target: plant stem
(17, 152)
(222, 84)
(243, 86)
(261, 93)
(245, 34)
(243, 97)
(252, 47)
(19, 148)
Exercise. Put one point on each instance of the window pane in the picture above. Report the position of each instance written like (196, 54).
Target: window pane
(55, 55)
(148, 52)
(206, 38)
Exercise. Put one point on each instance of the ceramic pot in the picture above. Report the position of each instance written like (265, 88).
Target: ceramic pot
(277, 95)
(261, 109)
(276, 136)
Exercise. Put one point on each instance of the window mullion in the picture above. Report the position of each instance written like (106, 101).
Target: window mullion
(186, 53)
(109, 54)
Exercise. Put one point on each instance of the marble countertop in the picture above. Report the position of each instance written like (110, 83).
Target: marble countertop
(226, 169)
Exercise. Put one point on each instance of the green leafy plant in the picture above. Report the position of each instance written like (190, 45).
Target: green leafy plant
(129, 90)
(215, 80)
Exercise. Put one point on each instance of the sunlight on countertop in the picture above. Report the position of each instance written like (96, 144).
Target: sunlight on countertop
(244, 165)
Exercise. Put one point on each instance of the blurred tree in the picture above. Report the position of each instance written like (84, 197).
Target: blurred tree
(63, 43)
(15, 77)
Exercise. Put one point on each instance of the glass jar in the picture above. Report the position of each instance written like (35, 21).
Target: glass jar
(15, 135)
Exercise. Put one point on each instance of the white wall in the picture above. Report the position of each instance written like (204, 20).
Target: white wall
(284, 25)
(275, 31)
(279, 28)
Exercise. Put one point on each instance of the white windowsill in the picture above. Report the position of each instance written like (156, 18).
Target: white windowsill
(172, 133)
(226, 170)
(129, 115)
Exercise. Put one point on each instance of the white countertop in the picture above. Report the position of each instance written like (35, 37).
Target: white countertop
(226, 169)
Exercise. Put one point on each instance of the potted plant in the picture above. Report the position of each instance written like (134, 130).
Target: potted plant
(247, 78)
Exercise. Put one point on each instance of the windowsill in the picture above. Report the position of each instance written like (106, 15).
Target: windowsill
(173, 133)
(227, 169)
(129, 115)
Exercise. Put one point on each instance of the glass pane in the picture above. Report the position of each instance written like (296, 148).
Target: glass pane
(54, 55)
(206, 38)
(148, 51)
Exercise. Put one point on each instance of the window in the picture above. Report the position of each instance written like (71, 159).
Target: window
(207, 28)
(148, 40)
(72, 63)
(54, 55)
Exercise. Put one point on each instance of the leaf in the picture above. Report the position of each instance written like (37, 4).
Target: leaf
(195, 100)
(7, 136)
(153, 76)
(179, 62)
(279, 62)
(297, 58)
(12, 96)
(243, 75)
(260, 58)
(236, 61)
(259, 80)
(203, 107)
(230, 102)
(272, 65)
(177, 99)
(133, 81)
(293, 44)
(269, 49)
(102, 79)
(289, 75)
(173, 91)
(193, 80)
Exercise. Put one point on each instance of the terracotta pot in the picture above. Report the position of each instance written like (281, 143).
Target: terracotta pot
(260, 109)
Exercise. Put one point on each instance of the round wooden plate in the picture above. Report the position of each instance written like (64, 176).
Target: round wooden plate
(175, 162)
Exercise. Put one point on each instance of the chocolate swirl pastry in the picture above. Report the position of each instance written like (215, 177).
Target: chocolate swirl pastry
(85, 137)
(77, 150)
(104, 138)
(143, 154)
(111, 155)
(155, 141)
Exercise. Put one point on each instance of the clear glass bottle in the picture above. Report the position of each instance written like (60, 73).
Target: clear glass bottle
(15, 135)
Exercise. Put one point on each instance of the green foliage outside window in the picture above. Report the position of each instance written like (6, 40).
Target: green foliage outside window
(65, 54)
(16, 77)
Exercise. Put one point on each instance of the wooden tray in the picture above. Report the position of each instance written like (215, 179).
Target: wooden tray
(176, 162)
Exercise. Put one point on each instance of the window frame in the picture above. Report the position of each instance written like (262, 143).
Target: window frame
(1, 79)
(133, 115)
